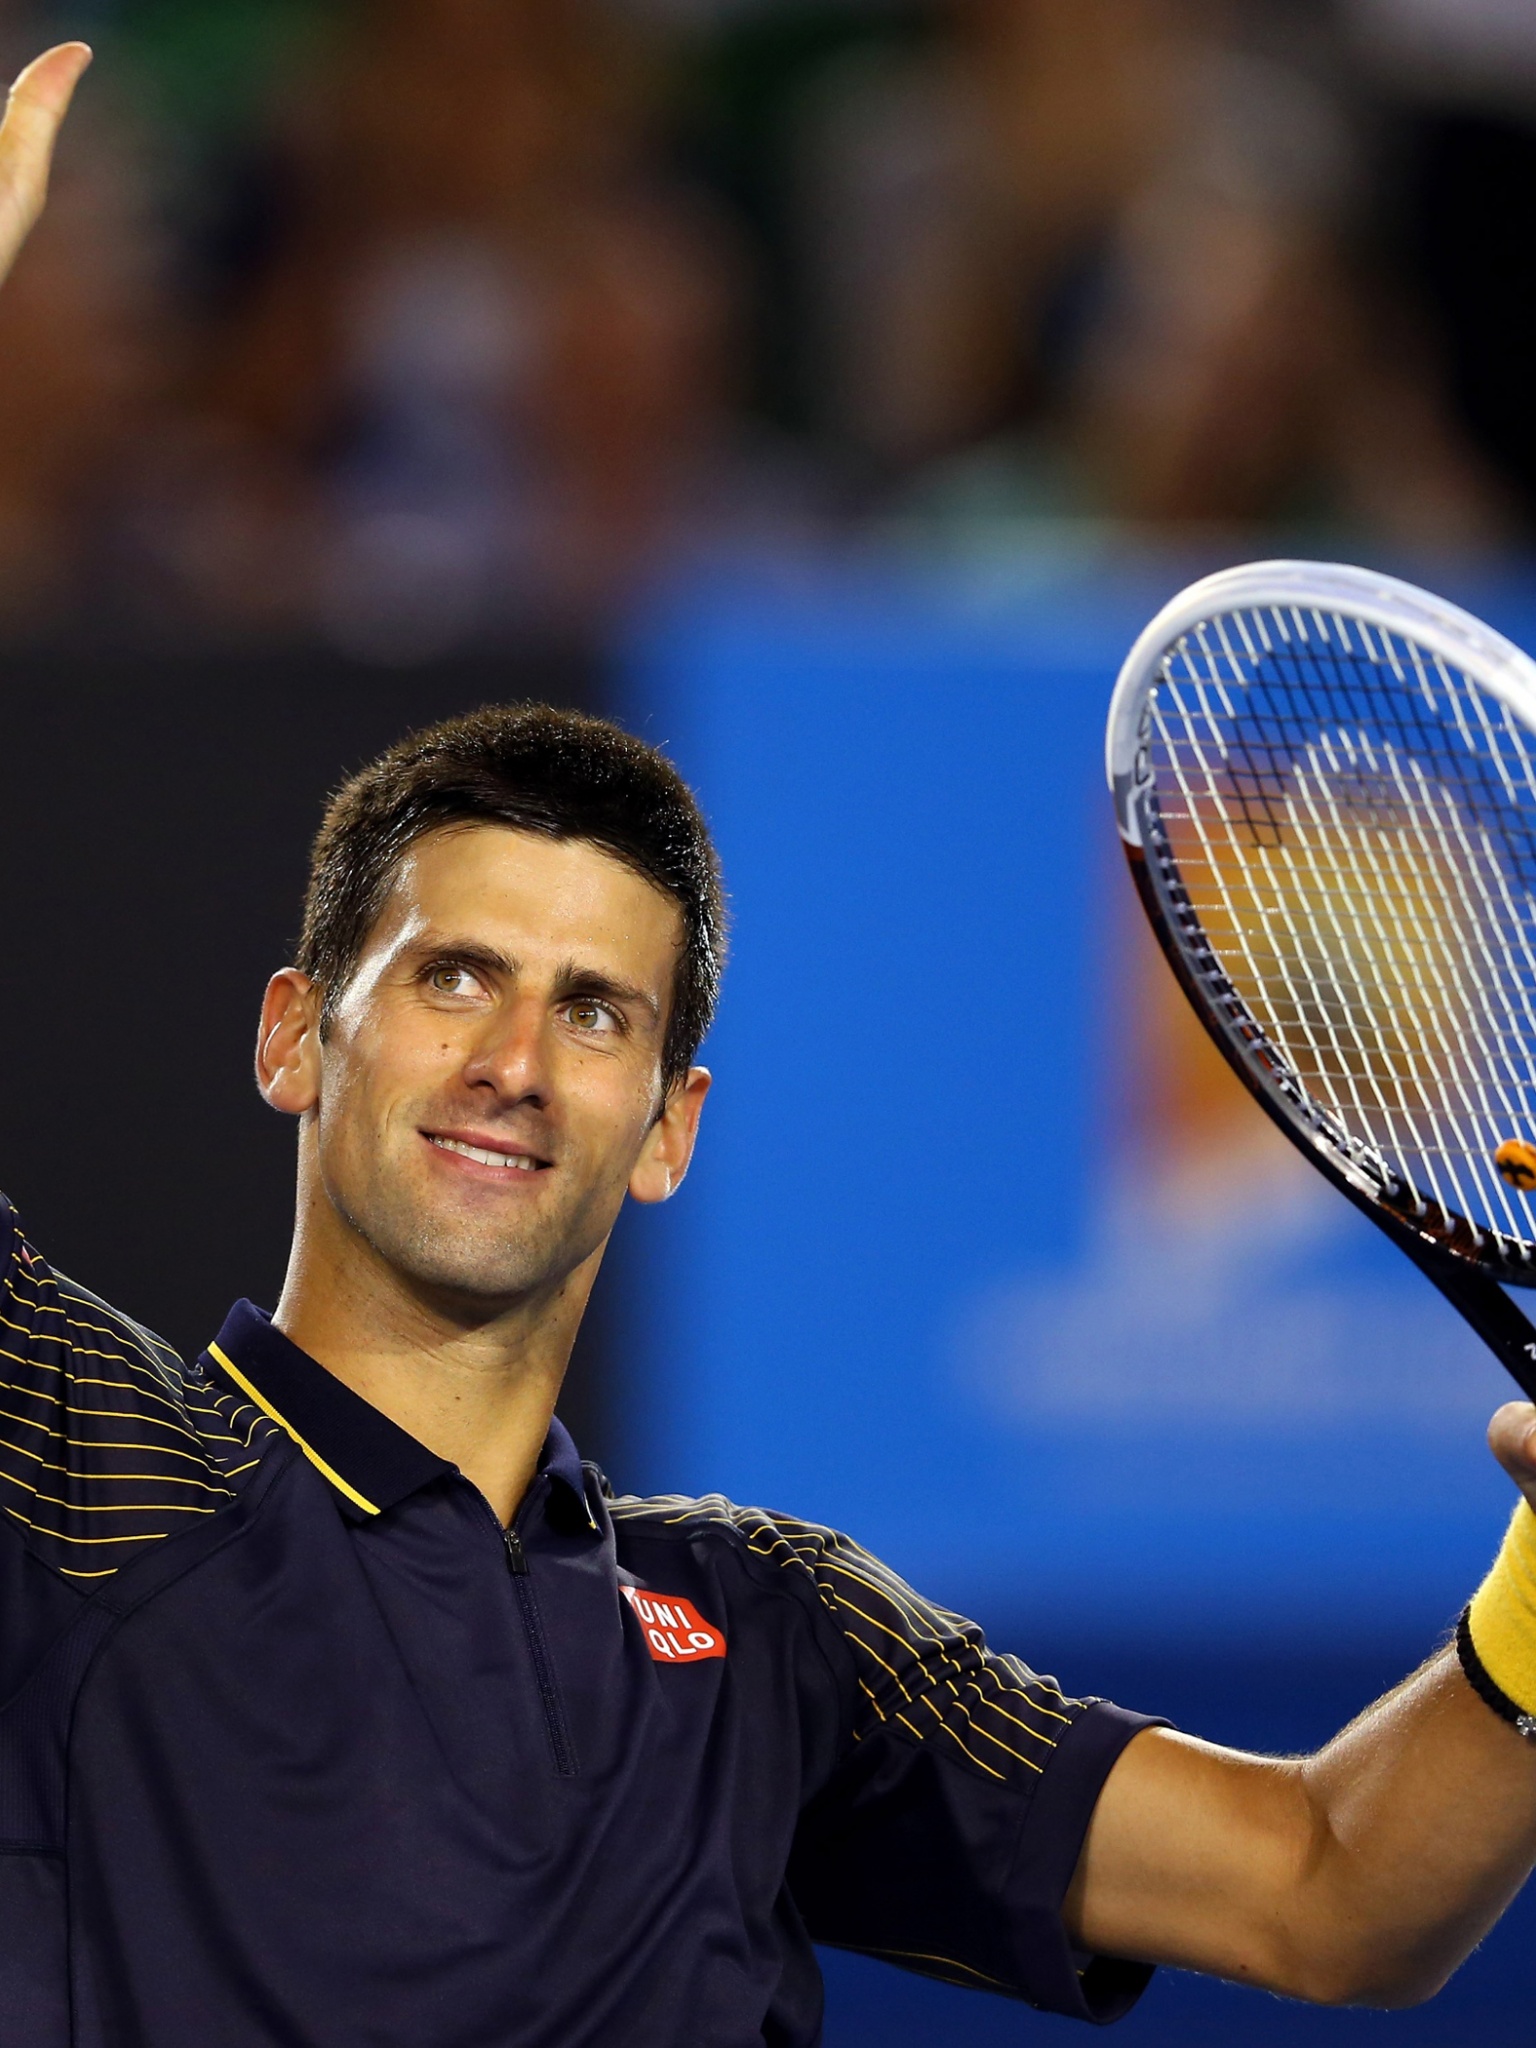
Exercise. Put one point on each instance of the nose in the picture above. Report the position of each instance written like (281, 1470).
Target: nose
(511, 1060)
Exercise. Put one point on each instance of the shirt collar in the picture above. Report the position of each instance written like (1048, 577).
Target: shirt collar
(370, 1461)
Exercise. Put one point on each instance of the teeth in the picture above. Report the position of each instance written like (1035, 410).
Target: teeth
(508, 1161)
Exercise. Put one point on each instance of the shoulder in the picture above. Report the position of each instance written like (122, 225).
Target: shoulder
(918, 1669)
(844, 1579)
(749, 1559)
(107, 1444)
(708, 1529)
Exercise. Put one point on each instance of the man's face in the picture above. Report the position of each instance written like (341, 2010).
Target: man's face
(490, 1082)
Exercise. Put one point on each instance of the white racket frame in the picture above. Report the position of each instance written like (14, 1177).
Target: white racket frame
(1446, 1250)
(1323, 588)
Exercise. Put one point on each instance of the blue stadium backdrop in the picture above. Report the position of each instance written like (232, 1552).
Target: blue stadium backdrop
(1140, 1393)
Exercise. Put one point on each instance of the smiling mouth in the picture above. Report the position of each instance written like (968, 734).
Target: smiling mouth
(507, 1162)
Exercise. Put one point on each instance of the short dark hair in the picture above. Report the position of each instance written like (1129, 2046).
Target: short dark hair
(558, 773)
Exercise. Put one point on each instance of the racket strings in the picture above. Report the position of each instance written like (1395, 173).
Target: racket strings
(1354, 823)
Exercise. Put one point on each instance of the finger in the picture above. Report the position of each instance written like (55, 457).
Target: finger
(1512, 1439)
(50, 80)
(38, 103)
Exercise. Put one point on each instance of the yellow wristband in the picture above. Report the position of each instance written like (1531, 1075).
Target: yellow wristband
(1502, 1618)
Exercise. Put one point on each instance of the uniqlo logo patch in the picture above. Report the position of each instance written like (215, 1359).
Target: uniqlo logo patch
(675, 1631)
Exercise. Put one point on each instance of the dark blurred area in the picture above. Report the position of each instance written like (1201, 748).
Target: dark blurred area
(402, 327)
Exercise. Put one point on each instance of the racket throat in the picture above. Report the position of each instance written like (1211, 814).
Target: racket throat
(1509, 1334)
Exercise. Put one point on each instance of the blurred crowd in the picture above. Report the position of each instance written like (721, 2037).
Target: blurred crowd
(413, 322)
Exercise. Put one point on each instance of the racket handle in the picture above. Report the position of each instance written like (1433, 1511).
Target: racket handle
(1482, 1302)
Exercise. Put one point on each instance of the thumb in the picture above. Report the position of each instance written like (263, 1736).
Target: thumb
(1512, 1439)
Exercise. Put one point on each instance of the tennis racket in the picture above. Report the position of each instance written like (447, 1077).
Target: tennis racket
(1325, 781)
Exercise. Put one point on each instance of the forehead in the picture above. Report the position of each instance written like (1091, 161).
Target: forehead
(529, 896)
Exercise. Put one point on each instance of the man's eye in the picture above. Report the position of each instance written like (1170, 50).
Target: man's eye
(451, 981)
(591, 1016)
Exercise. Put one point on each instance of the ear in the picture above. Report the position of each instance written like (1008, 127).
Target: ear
(288, 1043)
(669, 1142)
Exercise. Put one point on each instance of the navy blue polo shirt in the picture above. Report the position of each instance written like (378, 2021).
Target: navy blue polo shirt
(299, 1748)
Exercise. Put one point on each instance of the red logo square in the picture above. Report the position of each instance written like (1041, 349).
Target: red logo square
(675, 1632)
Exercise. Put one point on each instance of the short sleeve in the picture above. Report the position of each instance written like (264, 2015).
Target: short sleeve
(100, 1453)
(948, 1834)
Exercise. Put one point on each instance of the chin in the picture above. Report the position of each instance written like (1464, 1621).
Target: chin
(492, 1278)
(486, 1266)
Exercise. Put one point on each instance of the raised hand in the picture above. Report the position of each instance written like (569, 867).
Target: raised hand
(37, 105)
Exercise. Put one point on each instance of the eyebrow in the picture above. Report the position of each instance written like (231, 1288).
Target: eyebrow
(575, 980)
(571, 977)
(463, 953)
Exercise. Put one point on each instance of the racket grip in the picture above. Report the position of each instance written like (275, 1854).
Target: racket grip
(1509, 1334)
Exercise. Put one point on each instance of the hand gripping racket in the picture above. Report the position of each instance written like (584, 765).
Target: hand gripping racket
(1326, 784)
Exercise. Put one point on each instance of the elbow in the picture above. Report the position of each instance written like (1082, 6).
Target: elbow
(1416, 1989)
(1381, 1993)
(1370, 1975)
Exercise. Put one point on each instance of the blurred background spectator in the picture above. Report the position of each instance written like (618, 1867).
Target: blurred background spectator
(412, 324)
(460, 348)
(1460, 78)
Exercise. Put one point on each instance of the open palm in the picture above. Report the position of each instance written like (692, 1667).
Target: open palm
(38, 102)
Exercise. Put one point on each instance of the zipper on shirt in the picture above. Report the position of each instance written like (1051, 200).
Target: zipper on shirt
(538, 1648)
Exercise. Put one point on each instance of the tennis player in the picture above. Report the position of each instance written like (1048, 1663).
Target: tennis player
(342, 1706)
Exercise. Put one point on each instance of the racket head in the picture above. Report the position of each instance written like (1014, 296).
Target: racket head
(1325, 780)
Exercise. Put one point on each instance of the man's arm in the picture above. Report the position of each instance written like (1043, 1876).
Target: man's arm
(37, 105)
(1361, 1875)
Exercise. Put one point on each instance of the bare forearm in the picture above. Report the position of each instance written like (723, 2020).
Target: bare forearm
(1362, 1875)
(1425, 1828)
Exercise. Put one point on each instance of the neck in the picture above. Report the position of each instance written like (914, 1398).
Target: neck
(475, 1385)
